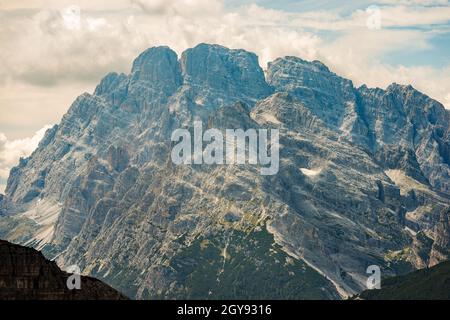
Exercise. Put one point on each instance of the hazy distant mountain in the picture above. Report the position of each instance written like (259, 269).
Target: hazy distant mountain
(363, 180)
(26, 275)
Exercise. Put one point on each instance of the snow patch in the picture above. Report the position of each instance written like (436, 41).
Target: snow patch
(45, 214)
(310, 172)
(267, 117)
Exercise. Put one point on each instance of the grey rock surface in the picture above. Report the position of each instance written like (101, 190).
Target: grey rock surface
(363, 179)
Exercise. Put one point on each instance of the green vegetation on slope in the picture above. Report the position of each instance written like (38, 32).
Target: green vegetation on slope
(426, 284)
(246, 266)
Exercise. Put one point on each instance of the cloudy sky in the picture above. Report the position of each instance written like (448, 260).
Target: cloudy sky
(52, 51)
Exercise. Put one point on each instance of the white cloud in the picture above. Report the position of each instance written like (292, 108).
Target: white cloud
(12, 150)
(25, 108)
(67, 48)
(48, 56)
(403, 16)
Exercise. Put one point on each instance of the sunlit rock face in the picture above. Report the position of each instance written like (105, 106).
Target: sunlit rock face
(363, 180)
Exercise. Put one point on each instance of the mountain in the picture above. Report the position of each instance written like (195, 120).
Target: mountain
(426, 284)
(26, 275)
(363, 180)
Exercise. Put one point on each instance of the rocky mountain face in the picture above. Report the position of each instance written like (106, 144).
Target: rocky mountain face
(26, 275)
(363, 180)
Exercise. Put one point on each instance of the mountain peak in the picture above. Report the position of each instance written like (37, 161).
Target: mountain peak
(396, 86)
(209, 47)
(152, 55)
(158, 66)
(291, 72)
(357, 168)
(297, 63)
(232, 72)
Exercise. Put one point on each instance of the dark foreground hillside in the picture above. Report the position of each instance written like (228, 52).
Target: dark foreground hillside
(426, 284)
(26, 275)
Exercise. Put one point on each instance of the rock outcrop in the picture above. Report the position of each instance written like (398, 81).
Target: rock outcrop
(26, 275)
